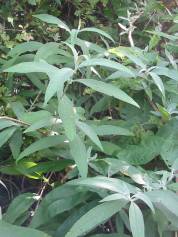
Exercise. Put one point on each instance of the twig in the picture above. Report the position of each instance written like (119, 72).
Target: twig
(35, 100)
(14, 120)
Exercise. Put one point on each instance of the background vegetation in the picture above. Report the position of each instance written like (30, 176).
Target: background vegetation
(88, 118)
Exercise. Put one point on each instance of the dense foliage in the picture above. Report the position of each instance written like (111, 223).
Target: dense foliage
(88, 118)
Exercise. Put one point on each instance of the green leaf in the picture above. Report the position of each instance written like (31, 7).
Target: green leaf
(109, 235)
(136, 221)
(45, 122)
(145, 199)
(75, 216)
(79, 153)
(166, 201)
(157, 80)
(108, 89)
(106, 130)
(131, 53)
(50, 166)
(163, 71)
(106, 63)
(60, 199)
(90, 132)
(47, 50)
(33, 117)
(67, 115)
(41, 144)
(52, 20)
(6, 134)
(29, 67)
(114, 197)
(15, 143)
(8, 230)
(96, 30)
(57, 76)
(89, 221)
(25, 47)
(143, 153)
(100, 182)
(56, 83)
(19, 206)
(4, 123)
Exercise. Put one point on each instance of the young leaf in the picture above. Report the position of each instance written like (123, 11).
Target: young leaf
(108, 89)
(89, 221)
(90, 132)
(79, 153)
(136, 221)
(52, 20)
(67, 115)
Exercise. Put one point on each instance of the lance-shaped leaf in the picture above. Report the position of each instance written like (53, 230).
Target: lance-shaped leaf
(6, 134)
(57, 76)
(108, 89)
(25, 47)
(67, 115)
(158, 82)
(89, 221)
(52, 20)
(41, 144)
(106, 63)
(96, 30)
(136, 221)
(79, 153)
(90, 132)
(8, 230)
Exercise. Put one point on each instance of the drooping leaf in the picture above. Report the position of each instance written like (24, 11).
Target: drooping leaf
(157, 80)
(8, 230)
(41, 144)
(52, 20)
(106, 63)
(75, 216)
(57, 76)
(6, 134)
(89, 221)
(67, 115)
(96, 30)
(15, 143)
(25, 47)
(90, 132)
(108, 89)
(60, 199)
(79, 153)
(136, 221)
(100, 182)
(4, 123)
(19, 206)
(106, 130)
